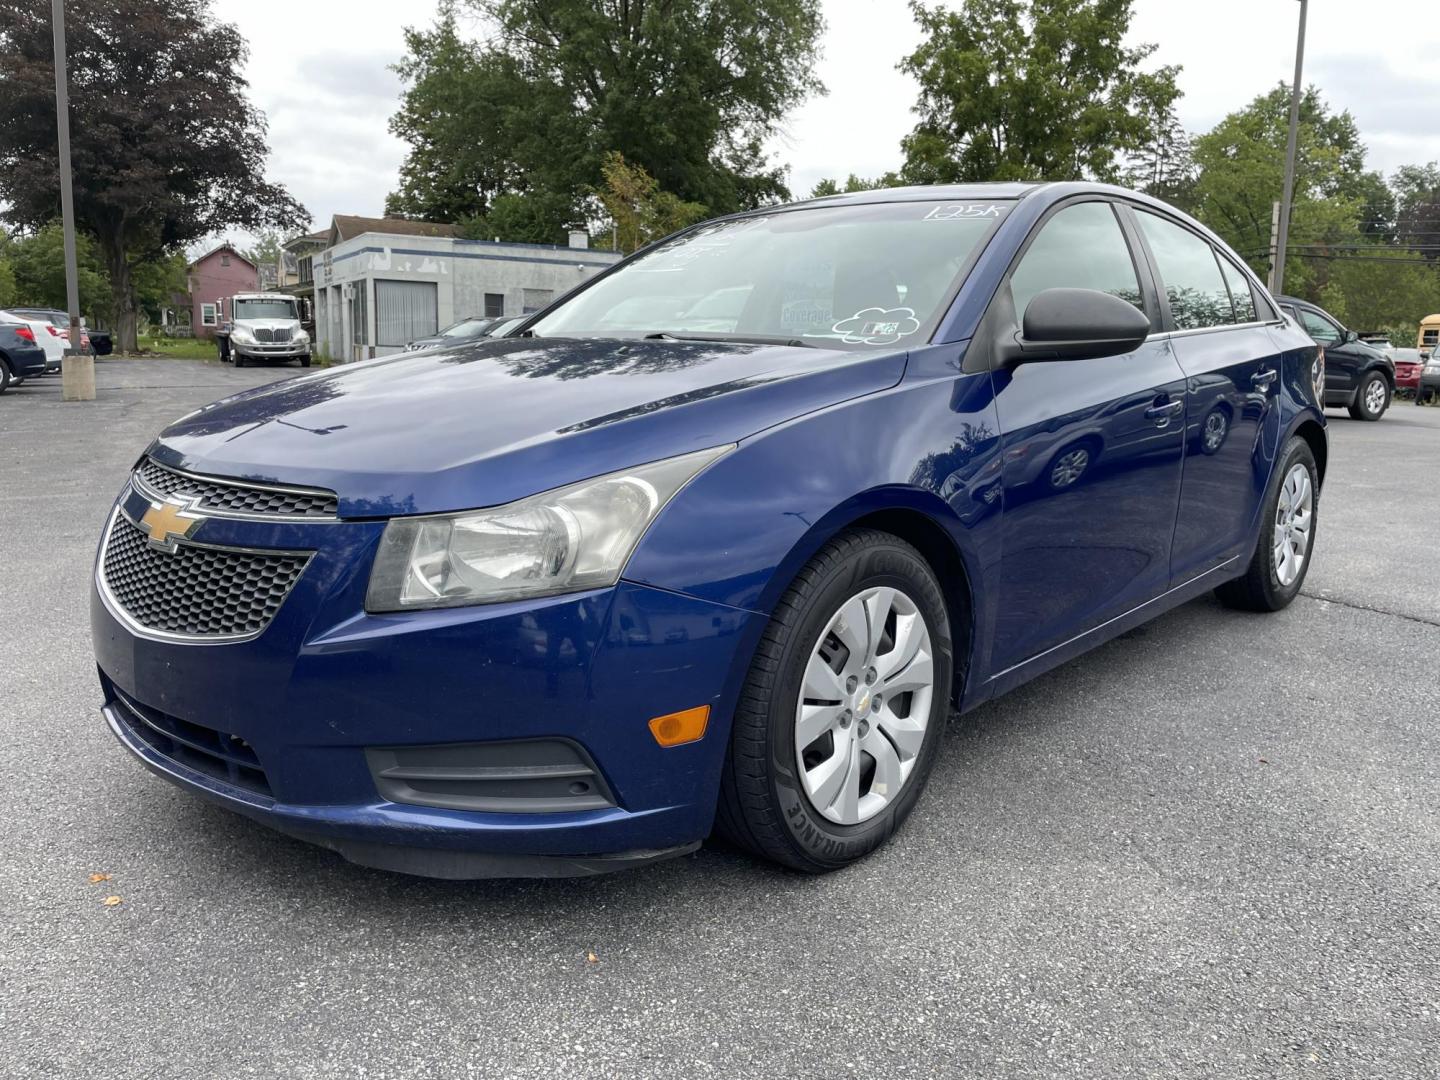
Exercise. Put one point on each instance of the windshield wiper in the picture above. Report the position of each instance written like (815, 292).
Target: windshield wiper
(738, 339)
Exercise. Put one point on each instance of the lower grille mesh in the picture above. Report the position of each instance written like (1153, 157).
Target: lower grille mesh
(198, 592)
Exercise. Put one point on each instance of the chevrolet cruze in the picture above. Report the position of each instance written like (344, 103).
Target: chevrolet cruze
(715, 543)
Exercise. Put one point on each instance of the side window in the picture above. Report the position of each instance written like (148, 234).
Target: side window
(1197, 292)
(1319, 327)
(1239, 291)
(1081, 247)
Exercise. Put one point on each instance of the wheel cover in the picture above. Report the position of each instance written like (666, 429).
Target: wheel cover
(1069, 467)
(1375, 396)
(864, 705)
(1294, 520)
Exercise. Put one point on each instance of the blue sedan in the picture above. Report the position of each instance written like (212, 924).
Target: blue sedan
(717, 542)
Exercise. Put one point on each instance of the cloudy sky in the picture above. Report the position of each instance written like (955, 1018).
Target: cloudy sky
(320, 71)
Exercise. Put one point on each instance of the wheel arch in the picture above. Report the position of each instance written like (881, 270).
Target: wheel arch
(1314, 435)
(912, 515)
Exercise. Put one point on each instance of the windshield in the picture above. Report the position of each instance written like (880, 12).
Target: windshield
(849, 276)
(265, 309)
(465, 328)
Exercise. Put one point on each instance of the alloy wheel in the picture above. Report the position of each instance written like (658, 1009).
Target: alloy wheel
(1215, 428)
(1069, 467)
(1375, 396)
(1294, 517)
(864, 705)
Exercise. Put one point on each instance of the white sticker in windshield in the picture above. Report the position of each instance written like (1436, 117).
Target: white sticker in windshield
(953, 211)
(877, 326)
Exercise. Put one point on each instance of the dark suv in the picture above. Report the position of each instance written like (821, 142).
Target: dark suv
(1358, 376)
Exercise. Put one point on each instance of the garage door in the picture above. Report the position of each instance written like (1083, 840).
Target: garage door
(404, 311)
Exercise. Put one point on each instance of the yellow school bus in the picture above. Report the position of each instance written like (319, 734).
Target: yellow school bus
(1429, 333)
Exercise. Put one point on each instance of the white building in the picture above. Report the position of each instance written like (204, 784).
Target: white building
(383, 282)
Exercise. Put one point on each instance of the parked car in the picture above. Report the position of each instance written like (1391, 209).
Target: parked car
(1408, 363)
(1429, 389)
(21, 356)
(502, 327)
(1358, 377)
(59, 323)
(101, 344)
(45, 337)
(464, 330)
(563, 602)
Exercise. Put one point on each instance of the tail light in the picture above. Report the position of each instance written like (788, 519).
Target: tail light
(54, 330)
(26, 333)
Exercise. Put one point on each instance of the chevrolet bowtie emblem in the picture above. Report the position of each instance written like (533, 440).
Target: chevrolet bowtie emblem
(169, 522)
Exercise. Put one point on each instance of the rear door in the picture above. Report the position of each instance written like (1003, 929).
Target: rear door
(1091, 448)
(1217, 320)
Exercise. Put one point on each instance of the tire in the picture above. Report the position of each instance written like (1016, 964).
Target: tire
(238, 360)
(4, 375)
(1372, 399)
(1265, 586)
(765, 806)
(305, 361)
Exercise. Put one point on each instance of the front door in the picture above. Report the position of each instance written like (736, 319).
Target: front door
(1232, 374)
(1091, 454)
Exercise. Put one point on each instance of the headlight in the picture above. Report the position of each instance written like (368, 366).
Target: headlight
(300, 336)
(572, 538)
(242, 336)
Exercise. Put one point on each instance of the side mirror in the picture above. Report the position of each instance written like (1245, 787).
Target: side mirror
(1078, 324)
(1350, 336)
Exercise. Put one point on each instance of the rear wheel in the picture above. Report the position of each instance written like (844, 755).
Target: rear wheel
(4, 375)
(1372, 399)
(841, 716)
(1287, 536)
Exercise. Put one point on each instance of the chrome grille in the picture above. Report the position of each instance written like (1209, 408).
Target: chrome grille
(223, 496)
(197, 592)
(266, 336)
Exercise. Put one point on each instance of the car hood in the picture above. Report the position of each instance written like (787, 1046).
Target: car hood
(488, 422)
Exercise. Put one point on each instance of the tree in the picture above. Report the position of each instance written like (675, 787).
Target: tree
(1165, 166)
(8, 295)
(688, 90)
(39, 267)
(640, 213)
(854, 183)
(165, 147)
(1387, 290)
(1242, 164)
(1030, 90)
(1417, 190)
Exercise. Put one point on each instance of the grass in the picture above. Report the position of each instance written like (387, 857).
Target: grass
(181, 348)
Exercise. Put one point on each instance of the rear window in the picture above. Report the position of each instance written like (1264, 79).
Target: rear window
(848, 276)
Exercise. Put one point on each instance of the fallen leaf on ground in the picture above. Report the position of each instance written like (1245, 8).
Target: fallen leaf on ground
(111, 901)
(95, 879)
(591, 958)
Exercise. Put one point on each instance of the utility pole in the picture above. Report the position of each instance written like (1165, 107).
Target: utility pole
(1277, 270)
(77, 371)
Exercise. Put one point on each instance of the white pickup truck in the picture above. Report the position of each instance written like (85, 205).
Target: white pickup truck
(263, 326)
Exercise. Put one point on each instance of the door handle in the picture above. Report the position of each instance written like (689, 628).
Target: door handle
(1261, 380)
(1161, 414)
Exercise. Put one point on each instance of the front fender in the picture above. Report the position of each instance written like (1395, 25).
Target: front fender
(740, 532)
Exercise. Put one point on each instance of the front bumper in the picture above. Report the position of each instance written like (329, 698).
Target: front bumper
(326, 682)
(270, 352)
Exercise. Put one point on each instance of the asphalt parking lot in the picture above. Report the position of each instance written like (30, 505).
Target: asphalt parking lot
(1209, 849)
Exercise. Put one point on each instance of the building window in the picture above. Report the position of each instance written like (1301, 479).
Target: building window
(404, 311)
(359, 313)
(207, 315)
(307, 269)
(535, 299)
(494, 305)
(224, 260)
